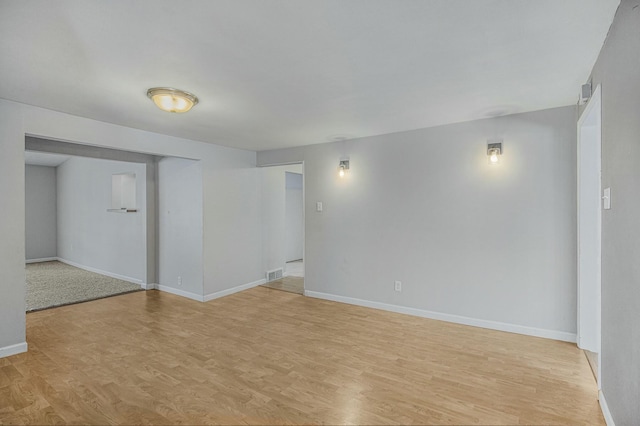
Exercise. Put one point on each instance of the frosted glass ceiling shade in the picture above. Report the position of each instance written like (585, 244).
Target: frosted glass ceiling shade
(172, 100)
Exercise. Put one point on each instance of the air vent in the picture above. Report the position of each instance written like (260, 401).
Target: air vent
(276, 274)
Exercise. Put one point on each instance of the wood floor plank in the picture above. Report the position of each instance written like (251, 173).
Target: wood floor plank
(271, 357)
(290, 284)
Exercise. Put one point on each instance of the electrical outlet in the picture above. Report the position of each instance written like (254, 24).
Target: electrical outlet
(179, 281)
(397, 286)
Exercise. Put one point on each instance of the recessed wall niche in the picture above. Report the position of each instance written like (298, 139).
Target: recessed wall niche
(123, 193)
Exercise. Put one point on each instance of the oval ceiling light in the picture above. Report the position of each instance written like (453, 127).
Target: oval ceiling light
(172, 100)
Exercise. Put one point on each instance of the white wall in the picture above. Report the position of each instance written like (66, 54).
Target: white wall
(495, 244)
(293, 217)
(89, 234)
(232, 252)
(12, 230)
(40, 209)
(273, 214)
(180, 225)
(231, 202)
(617, 72)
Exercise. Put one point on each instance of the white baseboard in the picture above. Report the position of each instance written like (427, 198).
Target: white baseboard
(101, 272)
(493, 325)
(43, 259)
(211, 296)
(179, 292)
(13, 349)
(605, 409)
(232, 290)
(151, 286)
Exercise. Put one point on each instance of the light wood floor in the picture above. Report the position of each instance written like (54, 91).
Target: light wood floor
(290, 284)
(269, 357)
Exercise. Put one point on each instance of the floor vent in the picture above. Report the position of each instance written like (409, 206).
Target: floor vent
(276, 274)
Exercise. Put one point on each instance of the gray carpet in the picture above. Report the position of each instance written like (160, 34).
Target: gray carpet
(51, 284)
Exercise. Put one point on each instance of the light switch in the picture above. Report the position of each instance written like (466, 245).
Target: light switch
(606, 197)
(319, 206)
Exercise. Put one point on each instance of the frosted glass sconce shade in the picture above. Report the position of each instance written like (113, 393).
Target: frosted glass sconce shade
(343, 167)
(494, 152)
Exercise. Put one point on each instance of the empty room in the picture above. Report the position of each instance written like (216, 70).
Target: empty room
(345, 212)
(79, 244)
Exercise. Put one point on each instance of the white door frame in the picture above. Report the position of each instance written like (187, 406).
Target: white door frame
(589, 156)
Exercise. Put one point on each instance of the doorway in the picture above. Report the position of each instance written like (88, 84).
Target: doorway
(283, 227)
(589, 231)
(294, 225)
(79, 246)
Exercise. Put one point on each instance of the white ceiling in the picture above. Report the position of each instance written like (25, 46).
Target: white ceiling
(34, 158)
(280, 73)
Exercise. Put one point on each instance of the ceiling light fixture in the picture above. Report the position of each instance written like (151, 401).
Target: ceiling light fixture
(172, 100)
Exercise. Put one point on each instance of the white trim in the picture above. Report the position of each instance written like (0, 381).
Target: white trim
(151, 286)
(605, 409)
(177, 292)
(232, 290)
(207, 297)
(43, 259)
(13, 349)
(289, 163)
(591, 340)
(304, 223)
(101, 272)
(493, 325)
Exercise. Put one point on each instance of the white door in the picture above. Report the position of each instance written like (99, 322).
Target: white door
(589, 224)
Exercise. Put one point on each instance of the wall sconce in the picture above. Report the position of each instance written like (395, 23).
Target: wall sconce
(343, 167)
(494, 152)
